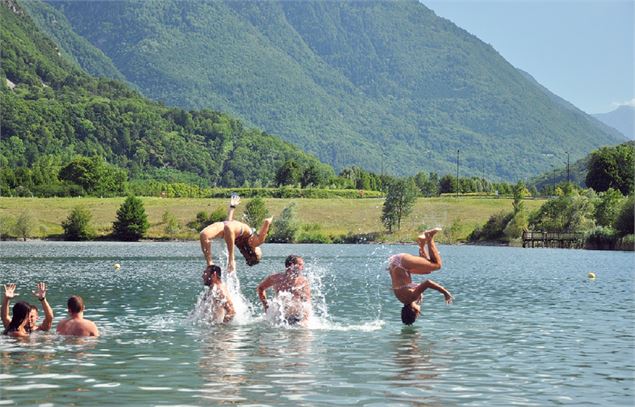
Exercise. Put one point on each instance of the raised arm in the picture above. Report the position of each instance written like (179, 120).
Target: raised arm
(9, 293)
(260, 237)
(262, 288)
(435, 286)
(40, 293)
(233, 203)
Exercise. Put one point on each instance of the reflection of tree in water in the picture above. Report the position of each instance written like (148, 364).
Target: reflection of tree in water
(221, 364)
(414, 368)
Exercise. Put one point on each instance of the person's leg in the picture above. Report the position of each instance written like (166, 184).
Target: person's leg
(429, 258)
(206, 247)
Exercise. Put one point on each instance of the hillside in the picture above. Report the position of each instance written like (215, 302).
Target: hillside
(388, 86)
(621, 119)
(55, 111)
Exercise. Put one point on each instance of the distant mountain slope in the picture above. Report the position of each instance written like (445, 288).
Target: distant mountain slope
(384, 85)
(56, 111)
(621, 119)
(74, 47)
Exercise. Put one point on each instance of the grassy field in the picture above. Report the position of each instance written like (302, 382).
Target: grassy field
(458, 216)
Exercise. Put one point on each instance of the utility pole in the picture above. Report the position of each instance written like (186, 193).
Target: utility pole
(457, 173)
(568, 180)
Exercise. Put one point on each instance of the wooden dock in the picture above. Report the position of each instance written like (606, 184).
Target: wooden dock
(569, 240)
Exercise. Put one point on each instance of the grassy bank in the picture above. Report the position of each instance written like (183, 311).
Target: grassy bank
(335, 217)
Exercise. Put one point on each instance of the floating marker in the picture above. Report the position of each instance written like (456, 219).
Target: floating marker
(116, 266)
(591, 276)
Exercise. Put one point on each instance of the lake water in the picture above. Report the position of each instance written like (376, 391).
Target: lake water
(527, 327)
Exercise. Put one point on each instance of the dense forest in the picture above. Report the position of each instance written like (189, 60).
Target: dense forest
(387, 86)
(56, 119)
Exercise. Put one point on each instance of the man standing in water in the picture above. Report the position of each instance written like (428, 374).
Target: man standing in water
(75, 324)
(402, 266)
(292, 290)
(217, 296)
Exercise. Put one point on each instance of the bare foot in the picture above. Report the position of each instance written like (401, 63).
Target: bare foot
(428, 234)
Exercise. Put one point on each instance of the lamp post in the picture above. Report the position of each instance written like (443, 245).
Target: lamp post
(568, 180)
(457, 173)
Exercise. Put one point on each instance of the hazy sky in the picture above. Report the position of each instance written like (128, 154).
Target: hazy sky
(581, 50)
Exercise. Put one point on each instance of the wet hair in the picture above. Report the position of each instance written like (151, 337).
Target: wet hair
(408, 314)
(248, 252)
(21, 311)
(214, 269)
(75, 304)
(291, 260)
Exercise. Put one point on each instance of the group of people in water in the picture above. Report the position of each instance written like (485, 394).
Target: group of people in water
(25, 316)
(291, 288)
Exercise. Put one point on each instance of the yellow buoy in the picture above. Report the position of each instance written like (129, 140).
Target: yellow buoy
(116, 266)
(591, 276)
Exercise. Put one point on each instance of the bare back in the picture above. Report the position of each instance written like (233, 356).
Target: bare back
(77, 327)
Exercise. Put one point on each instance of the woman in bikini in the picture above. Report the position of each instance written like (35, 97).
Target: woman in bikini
(237, 234)
(401, 267)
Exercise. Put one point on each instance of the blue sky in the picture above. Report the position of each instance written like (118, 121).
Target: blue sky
(581, 50)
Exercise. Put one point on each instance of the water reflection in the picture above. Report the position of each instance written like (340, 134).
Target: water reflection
(221, 364)
(412, 356)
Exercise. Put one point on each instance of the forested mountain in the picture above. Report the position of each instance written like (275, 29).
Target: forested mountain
(386, 85)
(52, 112)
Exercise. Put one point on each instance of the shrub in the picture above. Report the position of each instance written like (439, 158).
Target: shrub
(132, 221)
(494, 228)
(624, 223)
(601, 237)
(77, 225)
(23, 225)
(255, 212)
(312, 233)
(172, 225)
(285, 227)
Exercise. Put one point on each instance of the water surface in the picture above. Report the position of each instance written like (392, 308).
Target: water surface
(527, 328)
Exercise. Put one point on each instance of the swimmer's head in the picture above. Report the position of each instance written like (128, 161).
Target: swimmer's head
(210, 274)
(33, 316)
(409, 313)
(294, 263)
(75, 304)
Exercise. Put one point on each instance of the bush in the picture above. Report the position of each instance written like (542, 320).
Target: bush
(77, 225)
(312, 233)
(603, 238)
(23, 225)
(132, 221)
(494, 228)
(624, 224)
(255, 212)
(172, 225)
(285, 227)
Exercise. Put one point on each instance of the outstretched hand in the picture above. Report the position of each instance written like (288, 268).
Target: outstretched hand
(448, 298)
(40, 291)
(9, 291)
(234, 200)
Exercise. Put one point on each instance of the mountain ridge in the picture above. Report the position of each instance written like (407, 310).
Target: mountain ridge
(387, 86)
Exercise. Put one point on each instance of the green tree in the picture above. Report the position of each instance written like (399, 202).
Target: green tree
(255, 212)
(94, 175)
(132, 221)
(624, 223)
(400, 199)
(289, 173)
(77, 225)
(23, 225)
(172, 225)
(612, 167)
(566, 213)
(285, 227)
(607, 207)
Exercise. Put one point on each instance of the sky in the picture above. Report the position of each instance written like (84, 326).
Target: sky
(581, 50)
